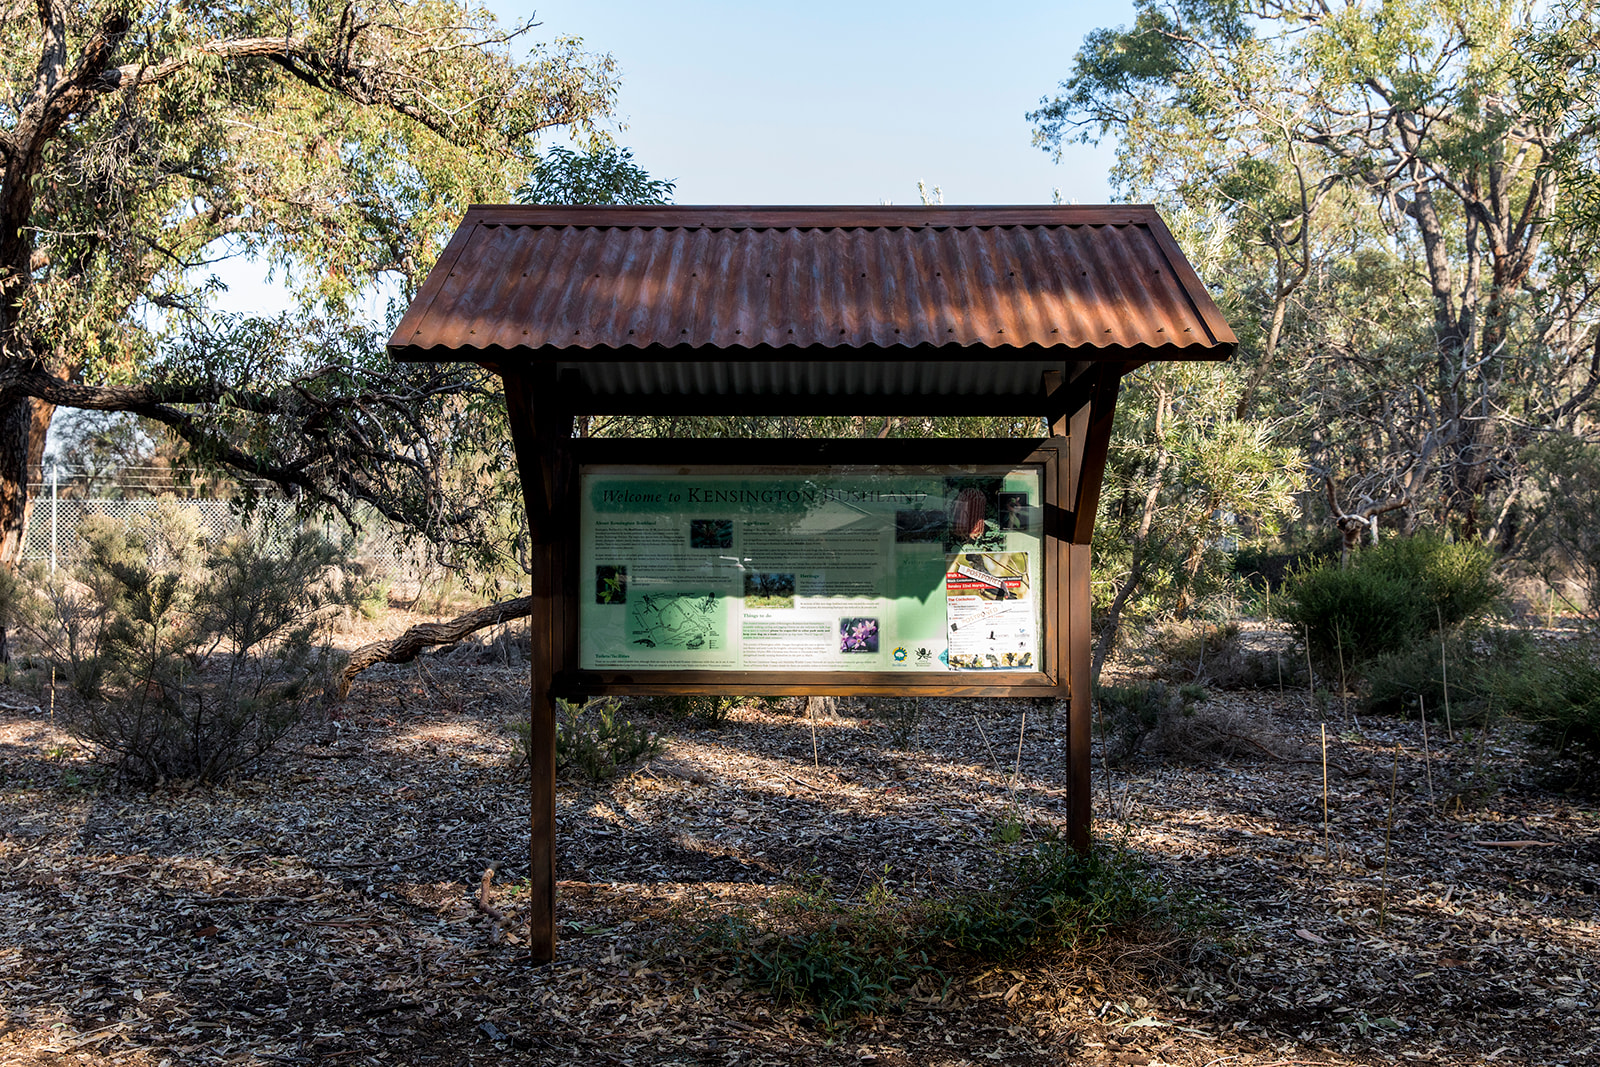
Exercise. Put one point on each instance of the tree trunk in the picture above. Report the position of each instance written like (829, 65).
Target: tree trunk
(1112, 623)
(823, 708)
(23, 424)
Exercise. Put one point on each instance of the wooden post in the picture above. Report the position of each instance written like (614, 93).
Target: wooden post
(1079, 734)
(541, 431)
(1087, 427)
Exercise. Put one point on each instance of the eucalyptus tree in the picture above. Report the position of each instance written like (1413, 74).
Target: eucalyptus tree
(603, 174)
(338, 143)
(1442, 152)
(1187, 476)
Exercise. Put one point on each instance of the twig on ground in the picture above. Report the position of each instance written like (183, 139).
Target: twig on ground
(220, 901)
(502, 920)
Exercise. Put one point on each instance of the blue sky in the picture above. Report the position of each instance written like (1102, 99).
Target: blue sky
(840, 102)
(828, 102)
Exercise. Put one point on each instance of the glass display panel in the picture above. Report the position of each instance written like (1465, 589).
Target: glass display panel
(935, 569)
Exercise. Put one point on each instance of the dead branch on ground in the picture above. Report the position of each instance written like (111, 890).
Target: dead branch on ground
(404, 649)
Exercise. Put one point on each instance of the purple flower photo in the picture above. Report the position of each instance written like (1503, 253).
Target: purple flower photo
(858, 635)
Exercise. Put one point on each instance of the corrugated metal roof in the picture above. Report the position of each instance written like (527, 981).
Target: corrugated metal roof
(618, 285)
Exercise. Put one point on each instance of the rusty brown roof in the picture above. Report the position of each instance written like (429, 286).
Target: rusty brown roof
(596, 285)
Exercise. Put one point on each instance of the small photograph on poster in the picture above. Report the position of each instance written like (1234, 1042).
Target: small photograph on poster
(1014, 512)
(990, 661)
(763, 590)
(610, 585)
(710, 533)
(920, 527)
(974, 507)
(858, 635)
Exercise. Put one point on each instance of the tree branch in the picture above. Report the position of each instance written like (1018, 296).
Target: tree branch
(404, 649)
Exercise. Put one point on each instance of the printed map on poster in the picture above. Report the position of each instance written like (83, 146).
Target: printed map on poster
(677, 621)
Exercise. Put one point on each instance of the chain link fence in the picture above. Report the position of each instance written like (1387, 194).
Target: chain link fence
(52, 536)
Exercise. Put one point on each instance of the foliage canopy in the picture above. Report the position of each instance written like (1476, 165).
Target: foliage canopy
(336, 144)
(1406, 189)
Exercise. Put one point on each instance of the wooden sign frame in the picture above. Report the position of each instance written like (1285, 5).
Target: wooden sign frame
(1051, 680)
(1079, 417)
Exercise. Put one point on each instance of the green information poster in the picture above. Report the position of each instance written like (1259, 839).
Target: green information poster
(790, 569)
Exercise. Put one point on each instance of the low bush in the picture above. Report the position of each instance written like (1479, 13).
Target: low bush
(1355, 612)
(1388, 598)
(1127, 714)
(593, 740)
(1397, 682)
(1202, 733)
(1053, 898)
(64, 622)
(846, 961)
(845, 969)
(1453, 581)
(192, 666)
(902, 715)
(1186, 646)
(1228, 656)
(1557, 691)
(706, 710)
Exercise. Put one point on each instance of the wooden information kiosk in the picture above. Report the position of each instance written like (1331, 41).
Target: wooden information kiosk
(892, 566)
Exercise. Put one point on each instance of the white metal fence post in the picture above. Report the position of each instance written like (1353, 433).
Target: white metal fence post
(55, 480)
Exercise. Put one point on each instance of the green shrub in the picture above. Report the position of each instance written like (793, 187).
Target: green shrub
(706, 710)
(1053, 898)
(843, 970)
(850, 961)
(1362, 612)
(373, 598)
(902, 714)
(1558, 692)
(1453, 581)
(206, 666)
(1389, 598)
(593, 741)
(64, 621)
(1471, 660)
(1127, 714)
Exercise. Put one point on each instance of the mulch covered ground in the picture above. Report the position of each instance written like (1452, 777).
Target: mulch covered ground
(323, 910)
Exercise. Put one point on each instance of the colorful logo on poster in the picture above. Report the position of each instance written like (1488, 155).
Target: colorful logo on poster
(899, 655)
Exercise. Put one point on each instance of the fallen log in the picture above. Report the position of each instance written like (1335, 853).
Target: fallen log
(404, 649)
